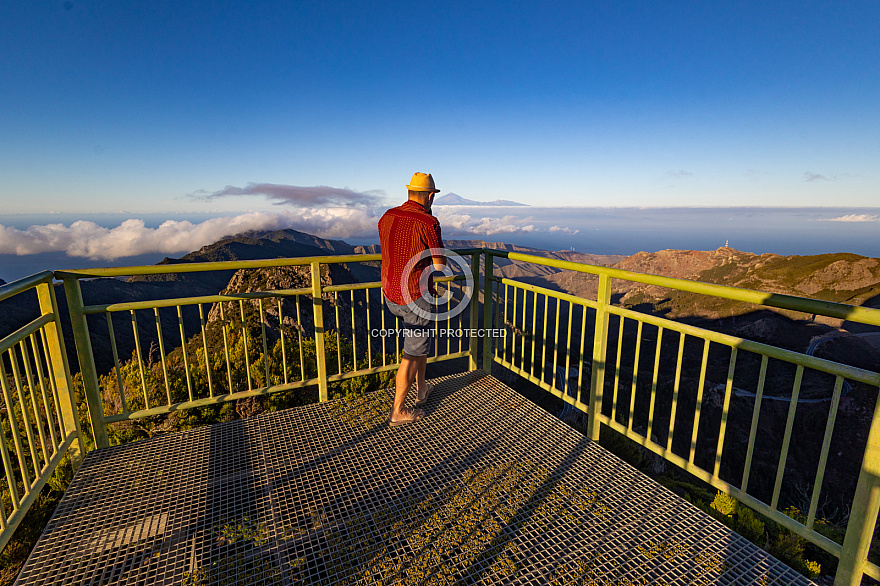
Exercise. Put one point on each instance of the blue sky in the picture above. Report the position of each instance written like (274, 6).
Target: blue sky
(148, 107)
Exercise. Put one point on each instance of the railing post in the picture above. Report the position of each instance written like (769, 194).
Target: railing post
(863, 514)
(475, 303)
(600, 339)
(86, 360)
(61, 373)
(318, 306)
(488, 263)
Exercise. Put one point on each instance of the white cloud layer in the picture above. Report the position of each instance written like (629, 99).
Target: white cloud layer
(853, 218)
(132, 237)
(464, 224)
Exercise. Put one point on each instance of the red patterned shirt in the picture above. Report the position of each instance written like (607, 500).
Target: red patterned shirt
(404, 232)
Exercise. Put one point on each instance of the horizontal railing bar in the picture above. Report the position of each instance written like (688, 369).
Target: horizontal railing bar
(24, 331)
(181, 301)
(817, 539)
(377, 284)
(20, 286)
(821, 364)
(871, 570)
(15, 519)
(812, 306)
(549, 292)
(198, 267)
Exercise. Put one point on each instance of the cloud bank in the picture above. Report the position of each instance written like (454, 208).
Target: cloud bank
(319, 195)
(853, 218)
(132, 237)
(485, 226)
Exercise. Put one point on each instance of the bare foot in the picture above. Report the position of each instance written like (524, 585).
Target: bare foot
(406, 415)
(424, 394)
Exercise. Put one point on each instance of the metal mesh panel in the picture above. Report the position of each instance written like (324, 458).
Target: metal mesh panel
(488, 489)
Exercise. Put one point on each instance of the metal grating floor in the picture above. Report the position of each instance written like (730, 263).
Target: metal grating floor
(488, 489)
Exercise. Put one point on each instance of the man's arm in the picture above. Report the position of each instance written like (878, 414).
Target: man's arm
(437, 242)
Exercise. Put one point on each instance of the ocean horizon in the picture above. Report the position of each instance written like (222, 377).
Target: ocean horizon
(55, 245)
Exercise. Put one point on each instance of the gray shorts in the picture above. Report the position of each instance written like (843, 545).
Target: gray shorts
(418, 331)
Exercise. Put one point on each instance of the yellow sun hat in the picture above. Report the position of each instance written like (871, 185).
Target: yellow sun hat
(422, 182)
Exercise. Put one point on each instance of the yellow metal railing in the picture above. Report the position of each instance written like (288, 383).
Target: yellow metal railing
(317, 334)
(39, 423)
(530, 350)
(353, 356)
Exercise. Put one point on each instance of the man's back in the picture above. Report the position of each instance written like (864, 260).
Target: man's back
(405, 232)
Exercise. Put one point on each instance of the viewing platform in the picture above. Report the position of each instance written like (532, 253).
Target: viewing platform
(487, 489)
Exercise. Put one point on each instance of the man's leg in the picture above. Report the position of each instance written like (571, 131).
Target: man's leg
(409, 370)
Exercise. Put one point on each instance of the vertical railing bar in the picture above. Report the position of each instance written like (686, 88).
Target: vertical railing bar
(68, 418)
(54, 386)
(600, 353)
(85, 354)
(4, 452)
(567, 347)
(505, 353)
(339, 333)
(786, 439)
(16, 436)
(226, 348)
(522, 357)
(488, 310)
(556, 341)
(369, 341)
(10, 479)
(534, 325)
(635, 378)
(581, 357)
(261, 310)
(318, 309)
(676, 387)
(3, 516)
(448, 322)
(189, 387)
(205, 346)
(620, 322)
(34, 403)
(38, 368)
(24, 412)
(354, 362)
(283, 347)
(699, 405)
(299, 332)
(436, 337)
(654, 377)
(247, 350)
(119, 386)
(725, 411)
(753, 431)
(513, 328)
(137, 346)
(162, 355)
(473, 318)
(865, 506)
(823, 457)
(544, 336)
(496, 296)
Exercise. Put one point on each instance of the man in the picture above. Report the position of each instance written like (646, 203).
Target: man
(405, 232)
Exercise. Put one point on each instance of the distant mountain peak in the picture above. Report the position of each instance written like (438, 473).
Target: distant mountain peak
(453, 199)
